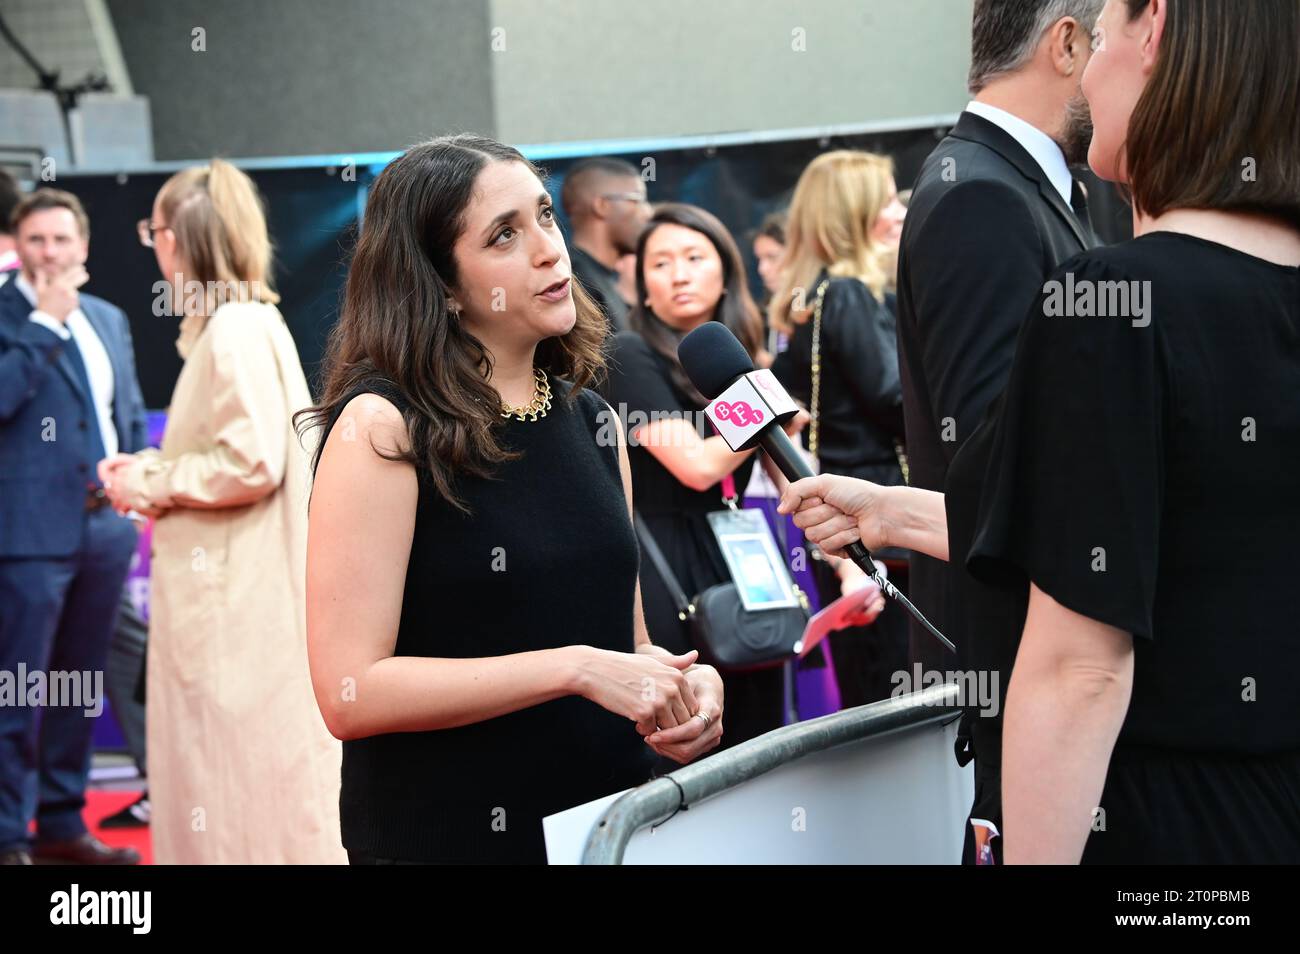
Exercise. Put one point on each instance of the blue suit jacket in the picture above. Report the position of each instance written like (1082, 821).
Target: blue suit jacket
(45, 447)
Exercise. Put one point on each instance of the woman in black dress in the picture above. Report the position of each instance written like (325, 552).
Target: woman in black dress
(689, 271)
(474, 626)
(1127, 510)
(831, 304)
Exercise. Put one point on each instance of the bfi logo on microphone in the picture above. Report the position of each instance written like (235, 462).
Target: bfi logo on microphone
(750, 404)
(739, 413)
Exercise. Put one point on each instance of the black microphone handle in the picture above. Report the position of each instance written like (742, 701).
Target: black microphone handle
(777, 445)
(789, 459)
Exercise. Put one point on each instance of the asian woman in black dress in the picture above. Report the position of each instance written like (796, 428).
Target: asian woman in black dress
(474, 622)
(689, 271)
(1128, 509)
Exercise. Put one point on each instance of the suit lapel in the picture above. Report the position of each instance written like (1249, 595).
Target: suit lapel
(1048, 192)
(16, 309)
(978, 129)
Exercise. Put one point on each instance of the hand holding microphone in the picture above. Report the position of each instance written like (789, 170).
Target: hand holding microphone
(748, 403)
(836, 511)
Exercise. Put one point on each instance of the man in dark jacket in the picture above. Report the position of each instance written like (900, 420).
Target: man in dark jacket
(69, 398)
(994, 211)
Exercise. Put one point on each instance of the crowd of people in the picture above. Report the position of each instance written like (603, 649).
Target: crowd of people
(403, 620)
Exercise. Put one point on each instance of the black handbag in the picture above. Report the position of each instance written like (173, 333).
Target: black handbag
(727, 635)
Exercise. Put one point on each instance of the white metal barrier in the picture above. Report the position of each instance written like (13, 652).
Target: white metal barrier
(873, 785)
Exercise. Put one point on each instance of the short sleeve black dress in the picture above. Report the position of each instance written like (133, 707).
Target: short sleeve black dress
(640, 388)
(1140, 469)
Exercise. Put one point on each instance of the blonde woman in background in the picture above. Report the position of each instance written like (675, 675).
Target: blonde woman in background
(844, 216)
(242, 768)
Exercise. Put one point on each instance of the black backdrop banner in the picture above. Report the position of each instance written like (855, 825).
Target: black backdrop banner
(314, 209)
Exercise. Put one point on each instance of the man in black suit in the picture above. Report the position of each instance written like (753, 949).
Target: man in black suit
(994, 211)
(990, 218)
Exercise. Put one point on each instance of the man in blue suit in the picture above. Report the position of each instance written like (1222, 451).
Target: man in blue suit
(69, 397)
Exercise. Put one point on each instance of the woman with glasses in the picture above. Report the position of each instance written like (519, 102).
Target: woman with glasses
(242, 768)
(605, 201)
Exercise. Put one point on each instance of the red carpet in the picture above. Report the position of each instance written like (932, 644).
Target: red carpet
(100, 805)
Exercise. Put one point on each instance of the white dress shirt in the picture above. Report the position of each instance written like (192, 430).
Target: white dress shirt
(1038, 144)
(99, 369)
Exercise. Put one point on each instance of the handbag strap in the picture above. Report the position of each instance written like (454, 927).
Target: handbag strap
(900, 452)
(815, 398)
(684, 606)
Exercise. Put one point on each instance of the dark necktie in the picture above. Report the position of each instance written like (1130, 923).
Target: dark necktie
(1079, 202)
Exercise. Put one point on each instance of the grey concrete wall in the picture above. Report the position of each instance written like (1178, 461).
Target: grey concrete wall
(306, 77)
(579, 70)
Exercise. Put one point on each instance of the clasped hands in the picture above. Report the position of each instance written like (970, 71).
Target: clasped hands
(110, 471)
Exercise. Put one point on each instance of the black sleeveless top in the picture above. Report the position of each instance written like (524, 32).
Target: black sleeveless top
(548, 559)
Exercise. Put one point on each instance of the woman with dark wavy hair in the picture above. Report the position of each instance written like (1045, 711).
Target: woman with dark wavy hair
(472, 568)
(688, 272)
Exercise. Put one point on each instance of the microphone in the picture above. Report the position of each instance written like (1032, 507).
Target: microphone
(749, 410)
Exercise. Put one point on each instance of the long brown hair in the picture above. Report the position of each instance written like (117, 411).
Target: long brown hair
(1218, 125)
(396, 322)
(735, 309)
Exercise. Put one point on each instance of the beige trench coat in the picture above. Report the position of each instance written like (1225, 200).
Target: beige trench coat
(241, 767)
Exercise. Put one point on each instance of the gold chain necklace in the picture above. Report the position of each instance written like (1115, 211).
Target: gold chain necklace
(816, 369)
(540, 404)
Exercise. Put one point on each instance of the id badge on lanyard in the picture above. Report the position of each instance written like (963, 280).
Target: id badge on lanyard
(751, 554)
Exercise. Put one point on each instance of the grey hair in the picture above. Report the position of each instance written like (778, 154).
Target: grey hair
(1005, 33)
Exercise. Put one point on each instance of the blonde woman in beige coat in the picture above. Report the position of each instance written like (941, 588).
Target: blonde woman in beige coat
(241, 766)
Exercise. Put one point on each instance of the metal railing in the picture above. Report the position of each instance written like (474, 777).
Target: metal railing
(662, 798)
